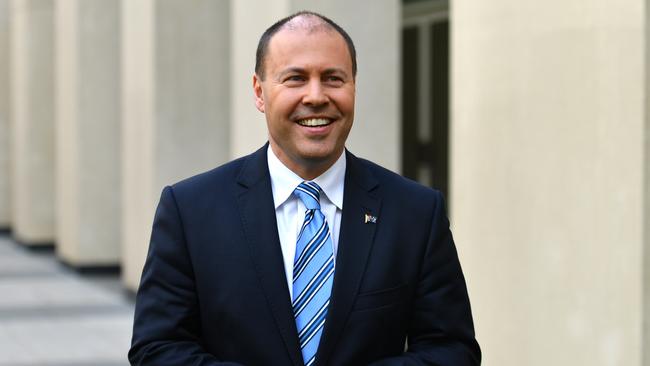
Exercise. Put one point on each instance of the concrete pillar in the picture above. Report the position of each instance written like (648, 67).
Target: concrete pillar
(376, 131)
(249, 20)
(645, 334)
(32, 106)
(5, 153)
(175, 106)
(88, 132)
(548, 192)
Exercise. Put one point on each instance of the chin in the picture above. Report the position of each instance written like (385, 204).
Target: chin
(318, 155)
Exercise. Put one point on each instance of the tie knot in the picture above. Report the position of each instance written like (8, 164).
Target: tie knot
(309, 194)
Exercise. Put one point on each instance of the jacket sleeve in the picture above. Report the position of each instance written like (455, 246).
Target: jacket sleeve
(441, 330)
(167, 326)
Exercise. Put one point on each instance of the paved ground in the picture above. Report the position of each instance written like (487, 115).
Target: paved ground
(52, 316)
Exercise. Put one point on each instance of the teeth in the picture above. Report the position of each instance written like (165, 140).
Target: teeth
(313, 122)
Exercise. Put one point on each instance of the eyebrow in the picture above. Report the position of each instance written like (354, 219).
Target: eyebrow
(300, 70)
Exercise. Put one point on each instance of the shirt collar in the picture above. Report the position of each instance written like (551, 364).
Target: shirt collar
(284, 181)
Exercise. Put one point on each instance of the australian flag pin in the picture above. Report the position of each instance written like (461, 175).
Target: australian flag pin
(370, 219)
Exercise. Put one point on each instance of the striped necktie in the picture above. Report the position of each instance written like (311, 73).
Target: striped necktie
(313, 270)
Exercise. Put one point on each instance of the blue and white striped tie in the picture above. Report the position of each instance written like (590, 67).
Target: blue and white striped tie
(313, 272)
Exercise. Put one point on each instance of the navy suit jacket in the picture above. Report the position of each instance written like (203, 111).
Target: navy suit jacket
(214, 292)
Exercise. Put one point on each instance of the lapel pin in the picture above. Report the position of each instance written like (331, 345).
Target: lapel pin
(370, 219)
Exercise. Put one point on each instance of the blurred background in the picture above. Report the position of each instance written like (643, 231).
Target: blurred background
(531, 116)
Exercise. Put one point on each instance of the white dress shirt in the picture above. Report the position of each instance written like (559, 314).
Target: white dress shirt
(290, 211)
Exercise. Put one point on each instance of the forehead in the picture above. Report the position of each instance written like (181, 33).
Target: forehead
(296, 45)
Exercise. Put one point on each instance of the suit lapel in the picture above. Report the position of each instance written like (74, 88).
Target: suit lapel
(257, 212)
(355, 243)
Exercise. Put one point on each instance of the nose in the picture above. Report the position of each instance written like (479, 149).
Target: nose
(315, 95)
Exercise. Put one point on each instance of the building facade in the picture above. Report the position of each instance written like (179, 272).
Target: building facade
(531, 118)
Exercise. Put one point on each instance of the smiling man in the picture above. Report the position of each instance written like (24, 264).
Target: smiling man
(302, 253)
(305, 85)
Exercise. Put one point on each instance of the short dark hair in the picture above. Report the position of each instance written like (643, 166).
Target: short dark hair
(263, 44)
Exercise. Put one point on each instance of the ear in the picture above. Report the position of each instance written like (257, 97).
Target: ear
(259, 97)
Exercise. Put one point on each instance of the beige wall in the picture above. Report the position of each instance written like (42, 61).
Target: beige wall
(87, 131)
(249, 19)
(646, 202)
(138, 196)
(376, 131)
(175, 98)
(5, 203)
(547, 188)
(32, 106)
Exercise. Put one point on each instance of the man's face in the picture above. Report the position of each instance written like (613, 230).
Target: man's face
(307, 97)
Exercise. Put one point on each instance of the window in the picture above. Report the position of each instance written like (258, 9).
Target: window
(425, 92)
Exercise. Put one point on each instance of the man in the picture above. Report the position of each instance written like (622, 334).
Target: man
(301, 253)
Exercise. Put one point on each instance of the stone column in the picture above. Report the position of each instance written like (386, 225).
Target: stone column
(249, 20)
(175, 106)
(5, 131)
(376, 131)
(549, 202)
(88, 132)
(645, 259)
(32, 106)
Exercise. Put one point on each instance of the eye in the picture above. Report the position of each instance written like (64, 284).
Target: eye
(294, 79)
(334, 80)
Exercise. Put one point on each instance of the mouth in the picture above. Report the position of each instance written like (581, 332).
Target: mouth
(314, 122)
